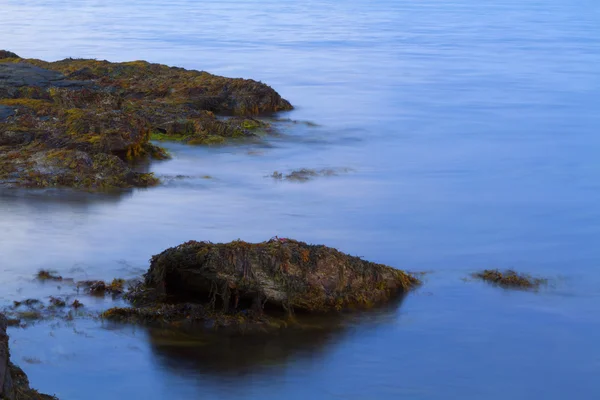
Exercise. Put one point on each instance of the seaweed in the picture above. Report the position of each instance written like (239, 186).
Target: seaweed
(306, 174)
(47, 275)
(510, 279)
(76, 304)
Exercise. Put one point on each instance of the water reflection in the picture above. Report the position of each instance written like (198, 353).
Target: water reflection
(249, 355)
(37, 199)
(224, 355)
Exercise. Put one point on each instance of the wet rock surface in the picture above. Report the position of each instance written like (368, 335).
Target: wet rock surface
(14, 76)
(85, 123)
(14, 384)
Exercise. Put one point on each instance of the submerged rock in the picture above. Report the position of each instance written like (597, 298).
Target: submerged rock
(265, 281)
(306, 174)
(14, 384)
(81, 123)
(510, 279)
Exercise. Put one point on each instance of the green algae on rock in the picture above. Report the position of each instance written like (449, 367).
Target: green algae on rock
(246, 284)
(84, 123)
(510, 279)
(14, 384)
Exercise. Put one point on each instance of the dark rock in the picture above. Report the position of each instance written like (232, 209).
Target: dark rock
(7, 54)
(13, 138)
(14, 384)
(16, 75)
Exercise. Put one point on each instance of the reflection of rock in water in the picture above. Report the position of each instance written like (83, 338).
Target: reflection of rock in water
(240, 355)
(41, 198)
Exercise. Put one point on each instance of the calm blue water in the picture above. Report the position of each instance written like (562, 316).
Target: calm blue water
(472, 133)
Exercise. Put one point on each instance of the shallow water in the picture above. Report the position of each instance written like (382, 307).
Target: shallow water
(470, 135)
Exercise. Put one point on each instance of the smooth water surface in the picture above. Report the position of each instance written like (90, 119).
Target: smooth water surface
(467, 134)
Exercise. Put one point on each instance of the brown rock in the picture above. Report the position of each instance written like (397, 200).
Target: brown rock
(279, 274)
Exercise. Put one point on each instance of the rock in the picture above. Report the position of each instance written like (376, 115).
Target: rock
(305, 174)
(12, 138)
(245, 286)
(510, 279)
(107, 113)
(18, 75)
(14, 384)
(281, 273)
(100, 288)
(7, 54)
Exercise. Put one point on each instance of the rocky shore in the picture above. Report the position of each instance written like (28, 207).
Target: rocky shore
(85, 123)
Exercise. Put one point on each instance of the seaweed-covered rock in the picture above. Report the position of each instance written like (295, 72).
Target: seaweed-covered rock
(281, 274)
(99, 117)
(14, 384)
(14, 77)
(244, 287)
(100, 288)
(510, 279)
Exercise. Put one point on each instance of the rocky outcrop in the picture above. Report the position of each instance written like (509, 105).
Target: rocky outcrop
(14, 384)
(7, 54)
(82, 123)
(277, 278)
